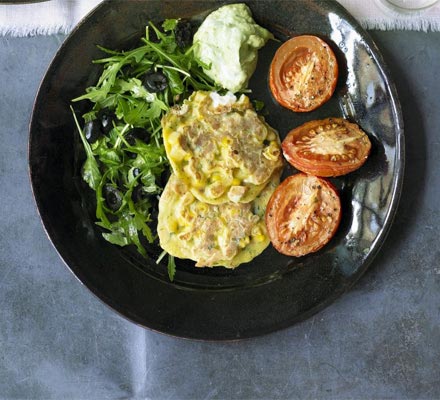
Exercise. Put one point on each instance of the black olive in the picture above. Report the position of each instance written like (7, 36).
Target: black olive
(130, 138)
(138, 193)
(107, 117)
(140, 133)
(130, 154)
(155, 81)
(113, 197)
(136, 172)
(184, 34)
(92, 131)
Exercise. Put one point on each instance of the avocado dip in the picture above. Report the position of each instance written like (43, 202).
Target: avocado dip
(228, 40)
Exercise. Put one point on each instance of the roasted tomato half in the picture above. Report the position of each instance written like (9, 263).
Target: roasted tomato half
(328, 147)
(302, 215)
(303, 73)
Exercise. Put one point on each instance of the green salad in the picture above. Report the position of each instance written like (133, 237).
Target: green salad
(125, 157)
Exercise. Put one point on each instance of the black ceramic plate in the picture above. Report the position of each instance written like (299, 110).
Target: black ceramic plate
(273, 291)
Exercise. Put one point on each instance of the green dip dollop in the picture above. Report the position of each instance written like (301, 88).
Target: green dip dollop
(228, 40)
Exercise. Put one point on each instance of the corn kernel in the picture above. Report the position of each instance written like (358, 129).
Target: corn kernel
(272, 152)
(226, 141)
(235, 212)
(216, 177)
(173, 138)
(173, 226)
(177, 153)
(236, 182)
(256, 231)
(259, 238)
(202, 207)
(244, 242)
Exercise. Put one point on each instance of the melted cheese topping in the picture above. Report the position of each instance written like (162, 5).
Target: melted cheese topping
(225, 234)
(220, 148)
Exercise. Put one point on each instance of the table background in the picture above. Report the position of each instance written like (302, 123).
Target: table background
(380, 340)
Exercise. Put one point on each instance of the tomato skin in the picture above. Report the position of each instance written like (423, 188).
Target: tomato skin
(303, 73)
(328, 147)
(302, 215)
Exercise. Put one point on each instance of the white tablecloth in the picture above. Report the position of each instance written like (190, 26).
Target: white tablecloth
(60, 16)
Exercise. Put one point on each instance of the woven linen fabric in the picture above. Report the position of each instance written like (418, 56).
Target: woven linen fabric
(60, 16)
(375, 14)
(43, 17)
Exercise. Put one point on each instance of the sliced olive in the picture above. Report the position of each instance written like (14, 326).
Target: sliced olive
(106, 117)
(155, 81)
(92, 131)
(140, 133)
(184, 34)
(130, 154)
(130, 138)
(136, 172)
(113, 197)
(138, 193)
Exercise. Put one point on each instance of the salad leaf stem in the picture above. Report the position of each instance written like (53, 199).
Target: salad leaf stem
(121, 136)
(91, 173)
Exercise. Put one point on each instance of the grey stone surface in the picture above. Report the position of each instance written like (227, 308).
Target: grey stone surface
(381, 340)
